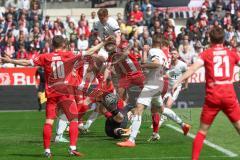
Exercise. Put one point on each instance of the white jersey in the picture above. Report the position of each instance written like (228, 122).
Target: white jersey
(157, 73)
(176, 71)
(110, 28)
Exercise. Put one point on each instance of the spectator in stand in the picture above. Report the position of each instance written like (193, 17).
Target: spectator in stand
(47, 47)
(218, 4)
(198, 48)
(22, 53)
(70, 29)
(46, 21)
(83, 29)
(145, 39)
(148, 14)
(73, 48)
(157, 27)
(233, 44)
(56, 29)
(232, 7)
(186, 51)
(192, 20)
(206, 3)
(9, 22)
(9, 49)
(180, 36)
(92, 20)
(35, 10)
(24, 4)
(137, 15)
(227, 20)
(229, 34)
(237, 33)
(170, 33)
(83, 20)
(145, 5)
(46, 32)
(236, 19)
(82, 43)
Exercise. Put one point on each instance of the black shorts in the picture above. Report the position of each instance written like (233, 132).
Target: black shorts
(111, 125)
(41, 87)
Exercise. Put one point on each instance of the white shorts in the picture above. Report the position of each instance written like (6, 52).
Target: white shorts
(174, 96)
(151, 93)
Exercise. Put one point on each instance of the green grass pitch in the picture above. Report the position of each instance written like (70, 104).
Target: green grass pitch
(21, 139)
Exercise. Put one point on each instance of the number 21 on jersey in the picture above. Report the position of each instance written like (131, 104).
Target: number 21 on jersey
(58, 69)
(221, 63)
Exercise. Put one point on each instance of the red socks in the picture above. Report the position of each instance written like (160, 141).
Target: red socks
(73, 133)
(47, 133)
(155, 122)
(197, 145)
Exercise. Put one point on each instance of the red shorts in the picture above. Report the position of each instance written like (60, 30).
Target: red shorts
(223, 99)
(127, 82)
(66, 103)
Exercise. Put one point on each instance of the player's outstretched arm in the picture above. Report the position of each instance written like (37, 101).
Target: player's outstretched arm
(21, 62)
(99, 46)
(193, 68)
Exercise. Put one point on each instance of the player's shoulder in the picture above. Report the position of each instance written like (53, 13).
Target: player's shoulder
(111, 20)
(181, 63)
(157, 51)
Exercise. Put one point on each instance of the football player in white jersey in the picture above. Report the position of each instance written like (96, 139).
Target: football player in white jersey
(177, 68)
(107, 26)
(151, 93)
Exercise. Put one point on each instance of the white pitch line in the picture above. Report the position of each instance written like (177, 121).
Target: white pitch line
(153, 158)
(208, 143)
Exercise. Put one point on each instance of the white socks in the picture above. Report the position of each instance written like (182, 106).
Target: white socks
(61, 126)
(73, 147)
(172, 115)
(136, 123)
(47, 150)
(90, 120)
(162, 120)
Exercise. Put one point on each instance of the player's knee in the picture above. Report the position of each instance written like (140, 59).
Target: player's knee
(49, 121)
(204, 128)
(237, 126)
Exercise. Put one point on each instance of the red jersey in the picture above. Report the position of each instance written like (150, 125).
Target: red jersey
(56, 68)
(138, 16)
(128, 66)
(219, 65)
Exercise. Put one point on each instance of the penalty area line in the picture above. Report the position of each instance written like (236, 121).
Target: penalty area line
(208, 143)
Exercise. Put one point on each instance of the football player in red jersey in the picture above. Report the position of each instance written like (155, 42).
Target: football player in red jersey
(57, 67)
(127, 67)
(219, 63)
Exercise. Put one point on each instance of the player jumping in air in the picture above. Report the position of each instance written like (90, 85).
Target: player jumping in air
(219, 63)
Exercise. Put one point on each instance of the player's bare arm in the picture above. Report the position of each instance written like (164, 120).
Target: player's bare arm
(21, 62)
(154, 64)
(193, 68)
(92, 50)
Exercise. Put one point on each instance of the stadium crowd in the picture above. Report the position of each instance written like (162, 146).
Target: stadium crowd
(25, 32)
